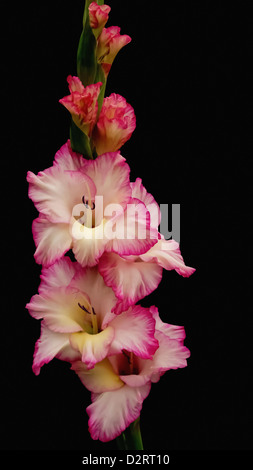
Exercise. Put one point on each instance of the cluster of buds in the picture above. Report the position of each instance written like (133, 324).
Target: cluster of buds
(105, 125)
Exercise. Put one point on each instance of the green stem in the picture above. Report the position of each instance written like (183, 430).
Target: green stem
(131, 438)
(121, 442)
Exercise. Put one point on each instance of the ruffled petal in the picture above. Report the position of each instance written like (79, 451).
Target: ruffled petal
(167, 254)
(140, 192)
(60, 309)
(66, 159)
(58, 274)
(131, 233)
(171, 354)
(134, 331)
(112, 412)
(100, 379)
(49, 346)
(110, 173)
(55, 192)
(135, 380)
(89, 245)
(93, 348)
(172, 331)
(52, 240)
(130, 279)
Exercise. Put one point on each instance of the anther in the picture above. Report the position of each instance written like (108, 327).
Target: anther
(83, 308)
(87, 205)
(127, 356)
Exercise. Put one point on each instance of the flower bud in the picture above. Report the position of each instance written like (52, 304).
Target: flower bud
(115, 125)
(110, 42)
(82, 103)
(98, 15)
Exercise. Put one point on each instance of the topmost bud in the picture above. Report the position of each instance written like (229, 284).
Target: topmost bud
(98, 15)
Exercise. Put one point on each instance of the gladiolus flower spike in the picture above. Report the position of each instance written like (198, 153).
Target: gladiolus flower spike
(87, 205)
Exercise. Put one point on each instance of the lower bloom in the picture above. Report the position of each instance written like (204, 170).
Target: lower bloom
(120, 383)
(75, 307)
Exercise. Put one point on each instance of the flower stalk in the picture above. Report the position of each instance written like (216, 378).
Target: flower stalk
(131, 438)
(88, 306)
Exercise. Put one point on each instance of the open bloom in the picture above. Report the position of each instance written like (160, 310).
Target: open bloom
(77, 319)
(115, 125)
(110, 42)
(82, 103)
(134, 277)
(85, 205)
(121, 382)
(98, 15)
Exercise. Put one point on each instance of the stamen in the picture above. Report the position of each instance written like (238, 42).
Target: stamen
(87, 203)
(83, 308)
(94, 321)
(93, 316)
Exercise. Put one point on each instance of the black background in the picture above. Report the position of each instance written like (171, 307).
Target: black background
(186, 75)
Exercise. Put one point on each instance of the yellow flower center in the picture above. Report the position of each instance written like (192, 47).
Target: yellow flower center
(89, 310)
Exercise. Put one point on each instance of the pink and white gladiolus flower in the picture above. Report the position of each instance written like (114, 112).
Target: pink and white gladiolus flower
(68, 195)
(134, 277)
(87, 308)
(98, 16)
(82, 103)
(115, 125)
(110, 42)
(75, 307)
(120, 383)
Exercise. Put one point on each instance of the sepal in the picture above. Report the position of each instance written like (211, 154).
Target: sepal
(86, 55)
(80, 142)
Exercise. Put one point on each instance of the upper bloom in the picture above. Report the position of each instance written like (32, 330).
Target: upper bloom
(134, 277)
(98, 15)
(82, 103)
(87, 205)
(121, 382)
(115, 125)
(110, 42)
(77, 319)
